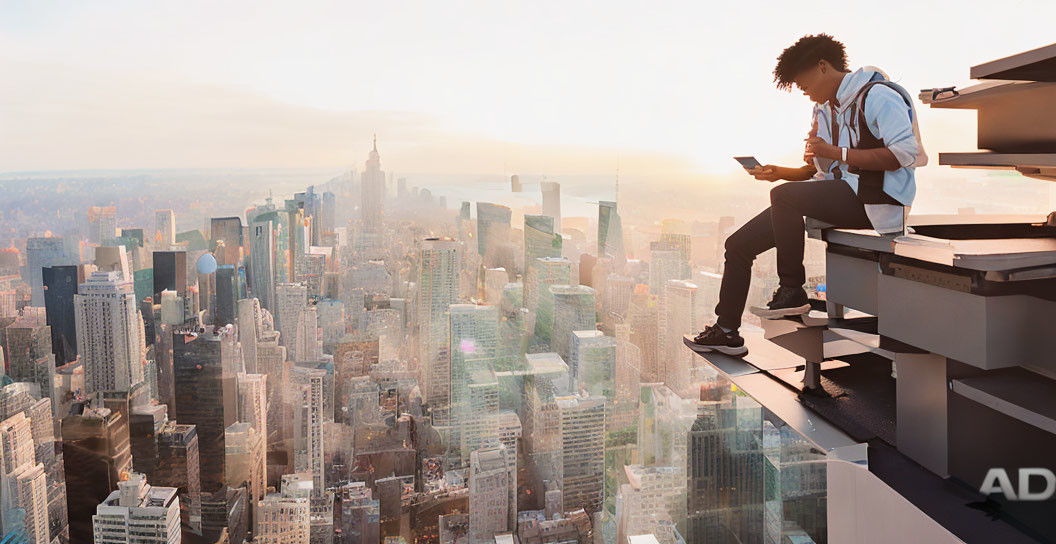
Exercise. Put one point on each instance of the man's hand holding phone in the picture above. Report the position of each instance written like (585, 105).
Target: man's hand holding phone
(769, 173)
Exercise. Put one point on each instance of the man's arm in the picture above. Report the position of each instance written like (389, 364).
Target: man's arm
(772, 173)
(886, 110)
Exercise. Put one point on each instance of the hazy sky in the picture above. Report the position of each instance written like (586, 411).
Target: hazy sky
(474, 87)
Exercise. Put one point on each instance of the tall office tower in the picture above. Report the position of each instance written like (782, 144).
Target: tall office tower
(43, 253)
(170, 273)
(628, 377)
(108, 333)
(618, 292)
(262, 260)
(542, 423)
(372, 200)
(474, 345)
(678, 311)
(544, 273)
(437, 290)
(95, 451)
(489, 494)
(290, 299)
(309, 344)
(60, 284)
(202, 391)
(593, 363)
(225, 240)
(224, 310)
(664, 264)
(356, 515)
(582, 452)
(540, 240)
(27, 342)
(272, 361)
(250, 330)
(509, 430)
(332, 320)
(652, 502)
(493, 221)
(246, 466)
(170, 458)
(573, 311)
(164, 228)
(610, 232)
(674, 233)
(283, 518)
(23, 479)
(102, 225)
(307, 404)
(644, 316)
(253, 410)
(22, 398)
(552, 202)
(479, 426)
(138, 512)
(310, 268)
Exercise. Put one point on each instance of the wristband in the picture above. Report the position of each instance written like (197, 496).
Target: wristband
(843, 151)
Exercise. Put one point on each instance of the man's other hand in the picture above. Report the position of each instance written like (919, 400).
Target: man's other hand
(767, 173)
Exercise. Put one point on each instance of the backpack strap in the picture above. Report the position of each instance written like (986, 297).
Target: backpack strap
(870, 182)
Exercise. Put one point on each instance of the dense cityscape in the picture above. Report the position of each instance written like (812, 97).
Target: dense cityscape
(224, 319)
(356, 363)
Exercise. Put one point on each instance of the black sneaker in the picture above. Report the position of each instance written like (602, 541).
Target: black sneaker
(787, 301)
(714, 338)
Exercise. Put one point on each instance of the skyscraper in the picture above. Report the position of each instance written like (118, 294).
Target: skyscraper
(102, 225)
(540, 240)
(42, 253)
(372, 201)
(60, 286)
(544, 273)
(573, 311)
(262, 261)
(29, 354)
(664, 264)
(23, 479)
(488, 494)
(290, 299)
(582, 452)
(201, 390)
(137, 512)
(678, 311)
(108, 333)
(493, 221)
(552, 202)
(164, 228)
(437, 289)
(474, 344)
(675, 234)
(170, 273)
(592, 363)
(307, 404)
(610, 232)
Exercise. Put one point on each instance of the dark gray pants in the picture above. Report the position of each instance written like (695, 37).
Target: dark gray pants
(781, 226)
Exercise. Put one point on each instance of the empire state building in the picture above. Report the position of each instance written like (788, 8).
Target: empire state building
(373, 194)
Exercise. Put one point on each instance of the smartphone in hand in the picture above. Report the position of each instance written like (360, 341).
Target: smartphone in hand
(749, 163)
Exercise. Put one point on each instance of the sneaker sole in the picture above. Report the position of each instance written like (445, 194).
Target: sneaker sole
(767, 313)
(727, 350)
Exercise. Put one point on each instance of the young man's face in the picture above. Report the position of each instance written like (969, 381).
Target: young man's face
(812, 83)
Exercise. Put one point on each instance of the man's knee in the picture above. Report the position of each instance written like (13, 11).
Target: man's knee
(783, 192)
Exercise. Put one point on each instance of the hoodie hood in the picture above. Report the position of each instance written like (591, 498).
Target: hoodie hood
(848, 96)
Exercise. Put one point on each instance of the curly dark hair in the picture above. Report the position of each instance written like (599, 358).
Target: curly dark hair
(805, 53)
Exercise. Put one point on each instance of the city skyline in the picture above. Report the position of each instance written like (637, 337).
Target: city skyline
(518, 89)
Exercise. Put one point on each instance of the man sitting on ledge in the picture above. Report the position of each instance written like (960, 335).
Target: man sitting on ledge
(861, 153)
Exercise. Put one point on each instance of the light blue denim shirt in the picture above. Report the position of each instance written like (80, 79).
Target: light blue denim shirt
(888, 117)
